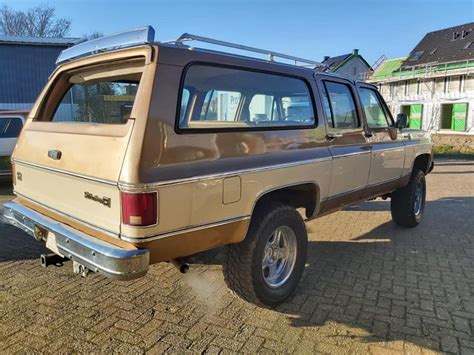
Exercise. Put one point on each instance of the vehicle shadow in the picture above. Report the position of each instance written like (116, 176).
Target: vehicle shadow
(394, 283)
(15, 245)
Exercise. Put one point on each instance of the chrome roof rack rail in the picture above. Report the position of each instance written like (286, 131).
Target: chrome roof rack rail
(271, 55)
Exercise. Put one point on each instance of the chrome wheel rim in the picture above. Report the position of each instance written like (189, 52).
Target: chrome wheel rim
(418, 198)
(279, 257)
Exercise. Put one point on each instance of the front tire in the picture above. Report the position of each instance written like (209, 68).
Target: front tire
(266, 266)
(408, 203)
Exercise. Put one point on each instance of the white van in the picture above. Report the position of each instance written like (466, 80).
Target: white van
(11, 123)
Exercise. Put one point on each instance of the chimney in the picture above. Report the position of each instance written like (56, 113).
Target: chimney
(326, 57)
(355, 51)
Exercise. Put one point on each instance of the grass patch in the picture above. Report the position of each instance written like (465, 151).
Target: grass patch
(452, 152)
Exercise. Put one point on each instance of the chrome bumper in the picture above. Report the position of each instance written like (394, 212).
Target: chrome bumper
(95, 254)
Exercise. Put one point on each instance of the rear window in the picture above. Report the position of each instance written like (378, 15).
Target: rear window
(10, 127)
(99, 102)
(99, 94)
(219, 97)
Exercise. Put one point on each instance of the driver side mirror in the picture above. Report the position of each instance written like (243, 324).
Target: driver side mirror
(402, 121)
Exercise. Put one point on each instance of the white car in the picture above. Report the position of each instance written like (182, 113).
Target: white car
(11, 123)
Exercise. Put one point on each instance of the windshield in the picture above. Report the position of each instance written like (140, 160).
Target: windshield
(99, 102)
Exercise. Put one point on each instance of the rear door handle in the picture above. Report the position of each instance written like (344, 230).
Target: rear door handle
(332, 136)
(54, 154)
(366, 147)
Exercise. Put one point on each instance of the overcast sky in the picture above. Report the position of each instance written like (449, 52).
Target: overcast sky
(308, 29)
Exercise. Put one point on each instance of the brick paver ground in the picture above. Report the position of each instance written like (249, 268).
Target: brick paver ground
(369, 286)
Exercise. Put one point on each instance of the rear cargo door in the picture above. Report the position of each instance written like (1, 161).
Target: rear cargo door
(69, 157)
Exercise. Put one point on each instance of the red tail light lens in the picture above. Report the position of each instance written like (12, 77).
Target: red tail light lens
(139, 209)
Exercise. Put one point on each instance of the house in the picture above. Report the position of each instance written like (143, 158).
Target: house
(25, 65)
(434, 84)
(351, 65)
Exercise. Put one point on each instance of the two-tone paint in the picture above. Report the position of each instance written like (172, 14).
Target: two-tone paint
(208, 182)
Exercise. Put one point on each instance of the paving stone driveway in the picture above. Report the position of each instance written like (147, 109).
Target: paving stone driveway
(369, 286)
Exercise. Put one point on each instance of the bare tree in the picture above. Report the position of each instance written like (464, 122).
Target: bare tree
(39, 21)
(93, 35)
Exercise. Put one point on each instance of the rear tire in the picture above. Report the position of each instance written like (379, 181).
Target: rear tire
(266, 266)
(408, 203)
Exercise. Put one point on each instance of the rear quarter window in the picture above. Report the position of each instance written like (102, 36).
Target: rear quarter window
(215, 97)
(10, 127)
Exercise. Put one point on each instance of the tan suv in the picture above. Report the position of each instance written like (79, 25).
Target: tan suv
(138, 152)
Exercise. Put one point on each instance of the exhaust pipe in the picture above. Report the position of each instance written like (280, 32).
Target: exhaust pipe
(52, 259)
(180, 265)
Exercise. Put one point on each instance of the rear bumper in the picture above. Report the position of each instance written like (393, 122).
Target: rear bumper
(95, 254)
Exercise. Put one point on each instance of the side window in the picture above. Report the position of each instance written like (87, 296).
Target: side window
(373, 109)
(237, 98)
(262, 108)
(220, 106)
(297, 108)
(184, 104)
(339, 106)
(10, 127)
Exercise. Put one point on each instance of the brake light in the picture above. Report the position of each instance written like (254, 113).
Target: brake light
(139, 209)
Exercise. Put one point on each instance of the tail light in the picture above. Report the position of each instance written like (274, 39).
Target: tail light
(139, 209)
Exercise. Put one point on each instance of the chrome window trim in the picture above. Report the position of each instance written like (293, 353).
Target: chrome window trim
(189, 229)
(65, 172)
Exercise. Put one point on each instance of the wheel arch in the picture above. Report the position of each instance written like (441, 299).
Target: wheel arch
(423, 162)
(298, 195)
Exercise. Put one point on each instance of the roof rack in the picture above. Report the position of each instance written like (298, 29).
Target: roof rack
(188, 37)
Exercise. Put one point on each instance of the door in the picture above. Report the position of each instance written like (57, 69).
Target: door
(69, 157)
(458, 122)
(415, 116)
(388, 152)
(347, 142)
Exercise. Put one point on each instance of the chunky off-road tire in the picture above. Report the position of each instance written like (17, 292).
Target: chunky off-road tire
(250, 266)
(408, 203)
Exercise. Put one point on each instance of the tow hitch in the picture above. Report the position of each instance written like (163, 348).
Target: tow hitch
(52, 259)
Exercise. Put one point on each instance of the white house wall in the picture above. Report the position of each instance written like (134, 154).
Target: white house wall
(431, 93)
